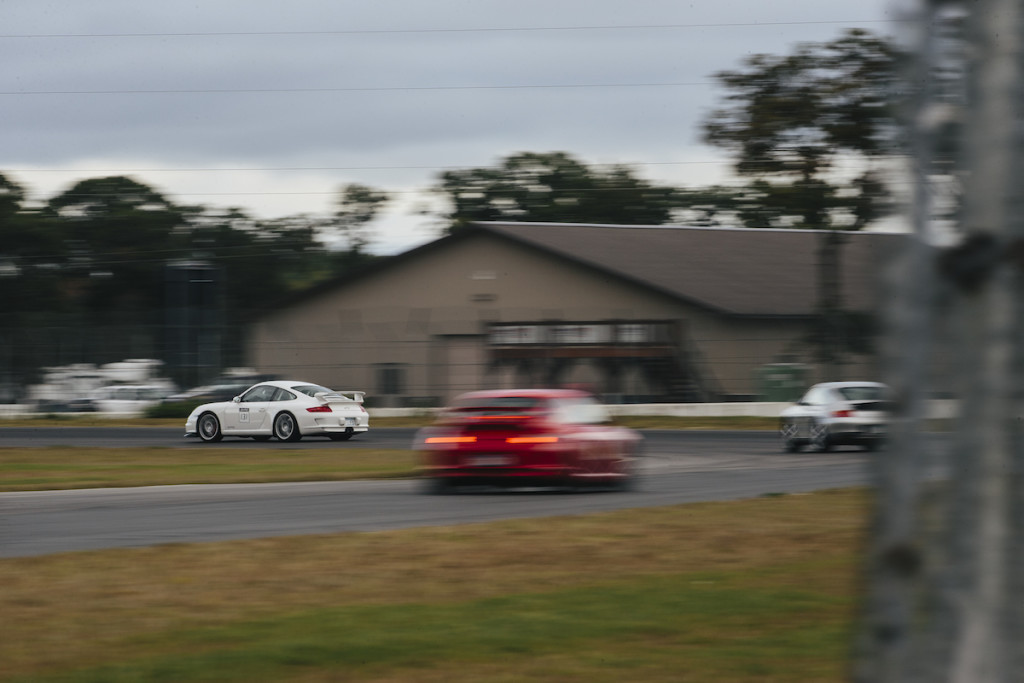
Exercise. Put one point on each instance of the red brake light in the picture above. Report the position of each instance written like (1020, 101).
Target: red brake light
(501, 417)
(450, 439)
(842, 413)
(319, 409)
(532, 439)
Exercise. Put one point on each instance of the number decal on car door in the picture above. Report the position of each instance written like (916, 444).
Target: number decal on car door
(243, 414)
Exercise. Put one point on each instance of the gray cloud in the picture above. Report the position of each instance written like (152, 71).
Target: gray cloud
(439, 94)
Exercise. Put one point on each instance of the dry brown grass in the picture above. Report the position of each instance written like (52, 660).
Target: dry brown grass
(23, 469)
(86, 608)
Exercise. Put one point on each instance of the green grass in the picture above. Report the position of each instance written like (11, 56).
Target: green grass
(759, 590)
(24, 469)
(725, 632)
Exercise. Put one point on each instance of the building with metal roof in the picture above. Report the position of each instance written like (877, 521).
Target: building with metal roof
(634, 313)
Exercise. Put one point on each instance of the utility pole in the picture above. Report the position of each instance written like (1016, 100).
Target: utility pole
(945, 571)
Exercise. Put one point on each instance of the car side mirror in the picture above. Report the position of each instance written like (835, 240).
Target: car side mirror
(236, 399)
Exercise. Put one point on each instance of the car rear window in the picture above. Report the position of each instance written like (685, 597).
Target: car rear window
(312, 389)
(499, 406)
(862, 393)
(580, 411)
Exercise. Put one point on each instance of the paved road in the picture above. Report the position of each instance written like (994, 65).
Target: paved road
(678, 467)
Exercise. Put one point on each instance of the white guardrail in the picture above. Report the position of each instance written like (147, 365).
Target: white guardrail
(659, 409)
(937, 409)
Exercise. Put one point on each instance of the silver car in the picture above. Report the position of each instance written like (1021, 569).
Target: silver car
(837, 413)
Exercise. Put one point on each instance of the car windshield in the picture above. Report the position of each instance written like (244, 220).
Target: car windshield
(498, 405)
(864, 393)
(311, 389)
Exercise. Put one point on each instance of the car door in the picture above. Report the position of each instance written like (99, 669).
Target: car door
(249, 413)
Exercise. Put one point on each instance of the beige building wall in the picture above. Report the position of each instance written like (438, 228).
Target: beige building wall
(425, 317)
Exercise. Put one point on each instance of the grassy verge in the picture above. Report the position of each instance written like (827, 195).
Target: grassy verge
(25, 469)
(636, 421)
(759, 590)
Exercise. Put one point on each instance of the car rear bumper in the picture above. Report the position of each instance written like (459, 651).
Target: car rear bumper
(857, 433)
(540, 475)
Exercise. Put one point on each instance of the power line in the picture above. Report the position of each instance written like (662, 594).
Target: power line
(424, 191)
(495, 29)
(234, 91)
(315, 168)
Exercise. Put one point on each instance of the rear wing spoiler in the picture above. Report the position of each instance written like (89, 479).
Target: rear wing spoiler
(341, 396)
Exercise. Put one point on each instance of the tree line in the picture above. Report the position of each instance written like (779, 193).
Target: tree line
(810, 135)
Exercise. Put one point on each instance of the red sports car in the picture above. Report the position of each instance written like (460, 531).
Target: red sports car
(526, 437)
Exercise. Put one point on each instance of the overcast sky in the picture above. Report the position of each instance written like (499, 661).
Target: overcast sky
(273, 106)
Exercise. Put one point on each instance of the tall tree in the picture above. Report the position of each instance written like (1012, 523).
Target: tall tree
(813, 132)
(347, 233)
(11, 197)
(553, 187)
(25, 240)
(261, 261)
(31, 254)
(791, 121)
(118, 233)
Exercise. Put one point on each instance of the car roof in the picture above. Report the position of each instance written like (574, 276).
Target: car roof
(287, 383)
(524, 393)
(840, 385)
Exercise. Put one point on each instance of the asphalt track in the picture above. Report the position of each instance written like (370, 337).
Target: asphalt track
(676, 467)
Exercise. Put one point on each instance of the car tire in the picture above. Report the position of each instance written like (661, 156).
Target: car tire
(628, 481)
(788, 434)
(438, 486)
(820, 439)
(208, 428)
(625, 483)
(286, 428)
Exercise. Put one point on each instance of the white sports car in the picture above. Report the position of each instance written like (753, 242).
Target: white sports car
(286, 410)
(834, 413)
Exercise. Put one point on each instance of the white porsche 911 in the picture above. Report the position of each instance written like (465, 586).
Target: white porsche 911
(285, 410)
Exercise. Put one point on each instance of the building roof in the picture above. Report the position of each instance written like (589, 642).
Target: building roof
(736, 271)
(760, 272)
